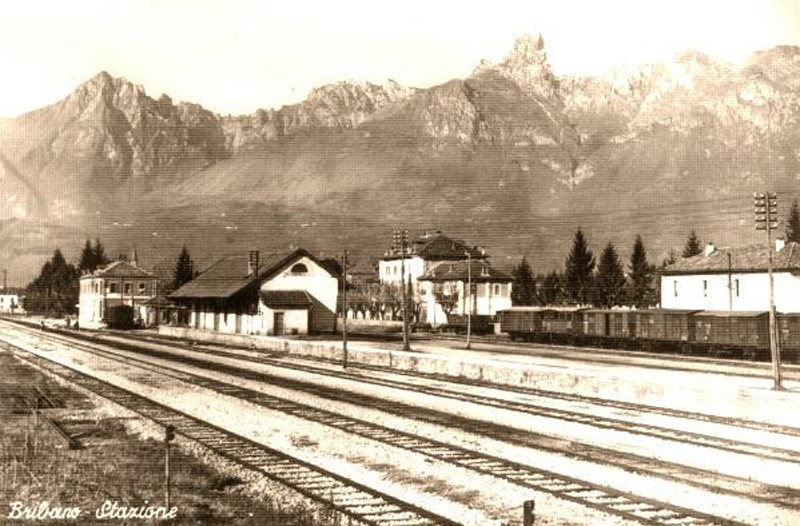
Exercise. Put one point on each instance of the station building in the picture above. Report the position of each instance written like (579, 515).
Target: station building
(116, 284)
(734, 279)
(277, 294)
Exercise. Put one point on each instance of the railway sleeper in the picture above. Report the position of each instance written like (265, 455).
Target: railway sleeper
(394, 513)
(269, 468)
(322, 486)
(417, 521)
(559, 487)
(364, 504)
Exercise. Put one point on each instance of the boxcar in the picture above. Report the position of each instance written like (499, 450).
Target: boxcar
(663, 324)
(608, 323)
(518, 322)
(789, 331)
(732, 332)
(479, 324)
(609, 328)
(541, 323)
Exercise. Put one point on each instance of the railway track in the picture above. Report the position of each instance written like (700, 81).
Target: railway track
(273, 358)
(564, 487)
(596, 421)
(600, 355)
(348, 497)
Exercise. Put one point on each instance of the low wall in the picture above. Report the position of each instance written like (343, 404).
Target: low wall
(683, 391)
(377, 326)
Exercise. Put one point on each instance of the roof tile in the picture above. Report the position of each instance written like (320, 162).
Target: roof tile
(751, 258)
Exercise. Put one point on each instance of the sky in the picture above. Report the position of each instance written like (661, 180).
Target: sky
(235, 56)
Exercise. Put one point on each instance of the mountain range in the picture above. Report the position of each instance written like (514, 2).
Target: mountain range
(512, 157)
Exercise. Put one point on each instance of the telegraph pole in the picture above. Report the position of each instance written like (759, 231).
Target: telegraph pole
(469, 295)
(766, 209)
(344, 309)
(401, 241)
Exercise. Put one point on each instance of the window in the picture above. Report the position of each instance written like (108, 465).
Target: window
(497, 289)
(675, 288)
(128, 288)
(142, 287)
(113, 288)
(737, 288)
(299, 269)
(705, 288)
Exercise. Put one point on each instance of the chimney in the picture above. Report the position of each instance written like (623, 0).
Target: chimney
(135, 258)
(710, 248)
(252, 262)
(779, 244)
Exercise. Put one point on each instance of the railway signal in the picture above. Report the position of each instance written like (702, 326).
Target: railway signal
(766, 213)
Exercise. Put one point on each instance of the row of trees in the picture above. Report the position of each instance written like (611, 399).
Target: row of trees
(603, 283)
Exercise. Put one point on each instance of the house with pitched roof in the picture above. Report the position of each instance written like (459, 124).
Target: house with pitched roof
(418, 258)
(438, 267)
(734, 279)
(276, 294)
(116, 284)
(446, 291)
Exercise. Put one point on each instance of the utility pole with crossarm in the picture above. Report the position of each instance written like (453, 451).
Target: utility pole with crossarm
(401, 243)
(766, 210)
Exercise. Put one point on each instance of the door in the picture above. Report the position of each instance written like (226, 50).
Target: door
(277, 326)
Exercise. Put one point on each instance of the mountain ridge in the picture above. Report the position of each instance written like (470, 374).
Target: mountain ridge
(511, 156)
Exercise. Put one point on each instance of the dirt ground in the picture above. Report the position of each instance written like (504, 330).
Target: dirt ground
(107, 464)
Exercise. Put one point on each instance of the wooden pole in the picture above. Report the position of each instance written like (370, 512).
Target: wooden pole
(344, 309)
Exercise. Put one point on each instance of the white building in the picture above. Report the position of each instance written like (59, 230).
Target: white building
(491, 290)
(10, 301)
(281, 294)
(118, 283)
(425, 254)
(734, 279)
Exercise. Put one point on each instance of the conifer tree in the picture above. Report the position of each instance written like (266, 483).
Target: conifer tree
(550, 292)
(523, 290)
(578, 273)
(693, 246)
(793, 224)
(642, 290)
(184, 269)
(610, 279)
(100, 258)
(55, 290)
(86, 263)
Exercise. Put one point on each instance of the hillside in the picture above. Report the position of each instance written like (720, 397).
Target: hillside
(510, 157)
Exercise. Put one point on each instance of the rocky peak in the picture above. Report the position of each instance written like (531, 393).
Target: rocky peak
(528, 49)
(527, 65)
(348, 104)
(103, 89)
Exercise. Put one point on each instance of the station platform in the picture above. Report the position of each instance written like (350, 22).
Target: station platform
(713, 393)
